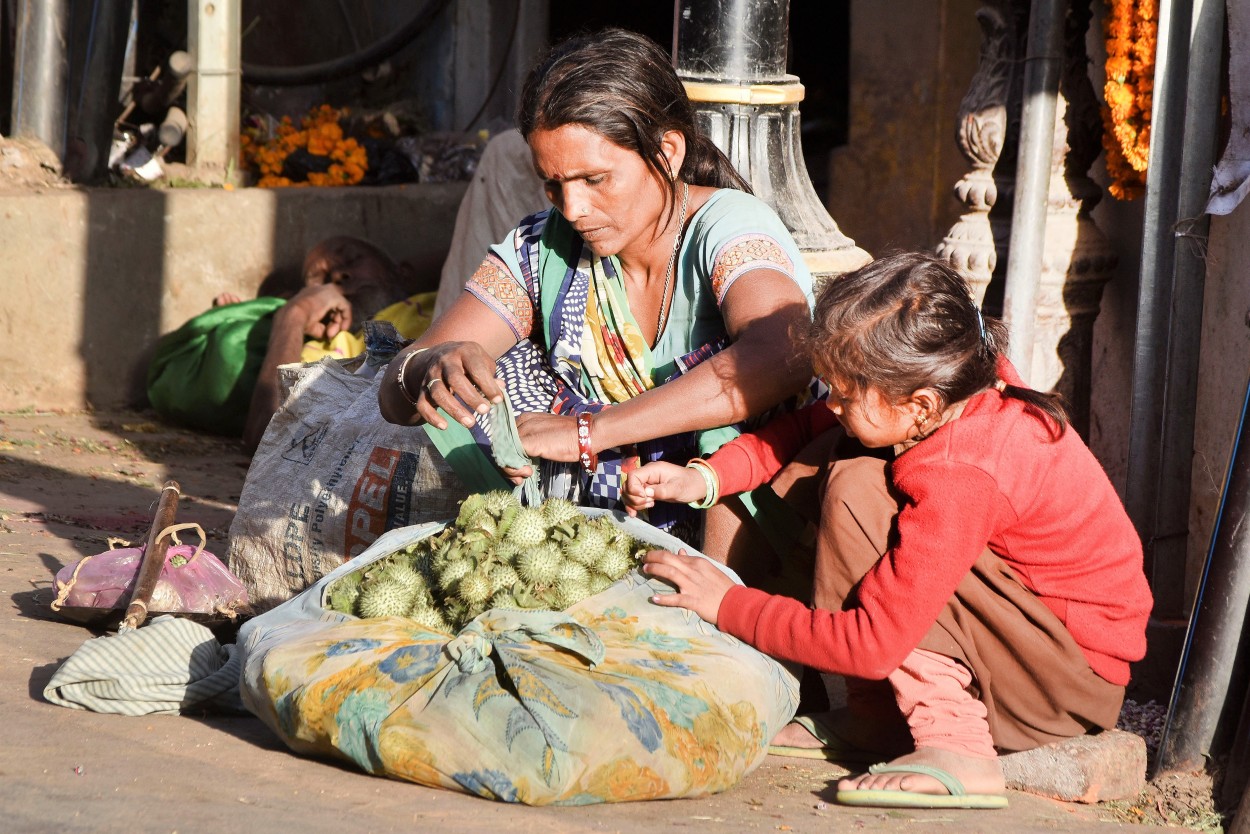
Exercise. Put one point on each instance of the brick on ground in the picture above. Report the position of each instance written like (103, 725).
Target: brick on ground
(1092, 768)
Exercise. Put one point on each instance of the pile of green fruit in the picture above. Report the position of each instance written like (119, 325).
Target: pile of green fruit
(497, 554)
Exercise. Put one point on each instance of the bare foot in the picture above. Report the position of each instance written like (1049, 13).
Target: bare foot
(225, 298)
(853, 731)
(979, 776)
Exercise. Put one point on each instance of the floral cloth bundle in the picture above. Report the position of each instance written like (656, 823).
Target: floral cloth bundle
(614, 699)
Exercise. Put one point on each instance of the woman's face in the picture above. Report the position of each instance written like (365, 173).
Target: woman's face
(613, 199)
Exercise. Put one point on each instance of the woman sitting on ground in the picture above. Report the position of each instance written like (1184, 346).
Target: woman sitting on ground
(637, 319)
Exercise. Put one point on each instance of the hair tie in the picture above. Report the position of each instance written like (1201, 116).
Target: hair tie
(980, 323)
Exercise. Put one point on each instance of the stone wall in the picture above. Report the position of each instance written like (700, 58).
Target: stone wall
(93, 277)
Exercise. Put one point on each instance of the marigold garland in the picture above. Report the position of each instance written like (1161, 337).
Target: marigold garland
(320, 134)
(1131, 29)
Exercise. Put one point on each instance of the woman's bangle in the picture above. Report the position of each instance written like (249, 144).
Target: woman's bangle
(403, 366)
(710, 479)
(585, 452)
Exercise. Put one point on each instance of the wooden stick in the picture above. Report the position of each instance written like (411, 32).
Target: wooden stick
(153, 558)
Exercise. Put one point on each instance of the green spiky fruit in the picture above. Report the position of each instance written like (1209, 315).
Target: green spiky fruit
(421, 559)
(598, 583)
(571, 593)
(454, 553)
(456, 614)
(506, 553)
(560, 511)
(588, 547)
(474, 589)
(539, 565)
(428, 617)
(384, 599)
(503, 599)
(402, 572)
(503, 577)
(571, 573)
(469, 508)
(480, 524)
(452, 573)
(499, 501)
(342, 595)
(615, 563)
(528, 528)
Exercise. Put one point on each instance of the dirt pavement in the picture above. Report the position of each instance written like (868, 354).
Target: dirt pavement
(68, 482)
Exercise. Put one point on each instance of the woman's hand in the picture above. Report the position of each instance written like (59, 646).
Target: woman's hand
(516, 475)
(458, 377)
(701, 586)
(549, 436)
(660, 481)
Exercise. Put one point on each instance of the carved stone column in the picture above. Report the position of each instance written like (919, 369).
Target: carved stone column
(1078, 258)
(987, 127)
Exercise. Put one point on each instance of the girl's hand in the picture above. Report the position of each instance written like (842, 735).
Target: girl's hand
(451, 376)
(548, 436)
(701, 586)
(660, 481)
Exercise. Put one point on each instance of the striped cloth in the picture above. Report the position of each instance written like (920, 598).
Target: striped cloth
(170, 665)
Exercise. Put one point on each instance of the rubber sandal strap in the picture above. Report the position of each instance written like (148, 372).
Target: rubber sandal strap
(815, 725)
(948, 780)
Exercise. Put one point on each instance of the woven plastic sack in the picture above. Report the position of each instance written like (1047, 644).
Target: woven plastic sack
(331, 475)
(615, 699)
(192, 581)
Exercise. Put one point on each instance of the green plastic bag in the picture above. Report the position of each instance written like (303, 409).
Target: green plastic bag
(203, 373)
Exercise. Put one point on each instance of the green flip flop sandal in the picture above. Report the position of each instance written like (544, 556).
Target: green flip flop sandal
(832, 749)
(956, 796)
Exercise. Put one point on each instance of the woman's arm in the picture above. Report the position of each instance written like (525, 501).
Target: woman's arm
(758, 370)
(459, 350)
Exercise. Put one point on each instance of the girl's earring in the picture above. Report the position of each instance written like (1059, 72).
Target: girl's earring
(921, 420)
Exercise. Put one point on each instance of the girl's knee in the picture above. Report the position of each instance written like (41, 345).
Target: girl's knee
(850, 479)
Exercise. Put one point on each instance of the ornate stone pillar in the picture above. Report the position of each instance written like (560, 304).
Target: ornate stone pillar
(987, 127)
(1078, 259)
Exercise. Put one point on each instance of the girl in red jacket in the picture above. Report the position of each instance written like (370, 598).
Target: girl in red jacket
(988, 572)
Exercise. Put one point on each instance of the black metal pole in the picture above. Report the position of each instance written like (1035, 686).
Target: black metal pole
(42, 66)
(97, 102)
(736, 41)
(1199, 708)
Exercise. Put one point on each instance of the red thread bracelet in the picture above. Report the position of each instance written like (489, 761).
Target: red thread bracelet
(585, 452)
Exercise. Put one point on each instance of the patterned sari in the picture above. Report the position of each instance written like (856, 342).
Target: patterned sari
(580, 349)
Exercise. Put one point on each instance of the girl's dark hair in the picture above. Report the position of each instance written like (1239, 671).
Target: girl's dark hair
(906, 322)
(622, 86)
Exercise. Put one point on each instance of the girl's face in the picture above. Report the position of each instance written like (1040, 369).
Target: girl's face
(612, 198)
(871, 417)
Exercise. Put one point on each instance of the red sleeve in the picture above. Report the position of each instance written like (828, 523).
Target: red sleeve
(753, 459)
(943, 528)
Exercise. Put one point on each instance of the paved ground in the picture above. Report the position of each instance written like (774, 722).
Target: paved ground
(68, 482)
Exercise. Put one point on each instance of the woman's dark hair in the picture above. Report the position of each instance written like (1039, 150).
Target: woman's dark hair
(906, 322)
(622, 86)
